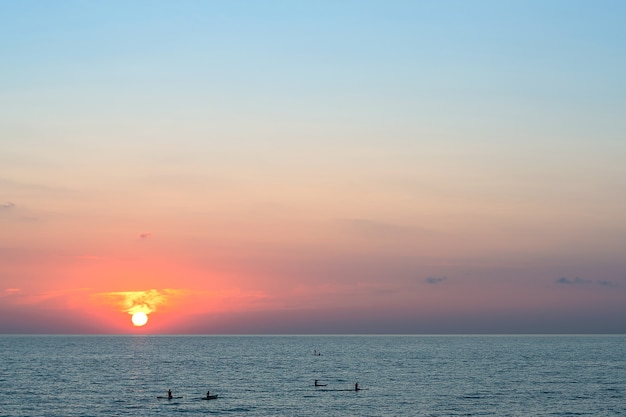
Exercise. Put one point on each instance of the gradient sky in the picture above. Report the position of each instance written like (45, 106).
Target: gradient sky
(313, 167)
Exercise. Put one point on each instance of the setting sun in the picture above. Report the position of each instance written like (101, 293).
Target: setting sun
(139, 319)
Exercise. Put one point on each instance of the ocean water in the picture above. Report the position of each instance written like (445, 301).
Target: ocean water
(274, 375)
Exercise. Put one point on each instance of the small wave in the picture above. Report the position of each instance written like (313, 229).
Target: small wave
(237, 410)
(474, 396)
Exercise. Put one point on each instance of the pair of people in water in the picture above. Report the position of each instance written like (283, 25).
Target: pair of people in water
(208, 393)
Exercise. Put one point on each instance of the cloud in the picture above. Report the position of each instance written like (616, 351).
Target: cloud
(582, 281)
(9, 292)
(435, 280)
(65, 297)
(135, 301)
(606, 283)
(7, 206)
(575, 281)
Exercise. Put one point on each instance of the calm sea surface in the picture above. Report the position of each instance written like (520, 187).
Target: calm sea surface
(274, 375)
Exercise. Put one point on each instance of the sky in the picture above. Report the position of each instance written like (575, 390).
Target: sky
(284, 167)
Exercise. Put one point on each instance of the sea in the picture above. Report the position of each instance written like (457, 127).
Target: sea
(274, 375)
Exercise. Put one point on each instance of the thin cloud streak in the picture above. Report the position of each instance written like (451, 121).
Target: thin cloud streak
(7, 206)
(435, 280)
(582, 282)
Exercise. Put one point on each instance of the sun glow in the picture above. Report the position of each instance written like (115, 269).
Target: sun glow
(139, 319)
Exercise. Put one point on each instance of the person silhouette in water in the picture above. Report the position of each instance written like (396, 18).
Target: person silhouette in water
(169, 393)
